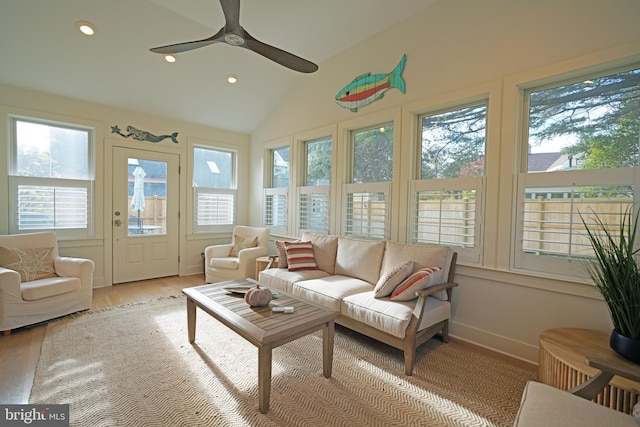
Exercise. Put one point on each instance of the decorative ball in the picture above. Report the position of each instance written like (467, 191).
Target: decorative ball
(258, 297)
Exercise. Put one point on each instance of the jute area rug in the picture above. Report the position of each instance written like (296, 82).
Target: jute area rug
(134, 366)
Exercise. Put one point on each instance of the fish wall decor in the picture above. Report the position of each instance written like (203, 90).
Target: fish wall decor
(141, 135)
(365, 89)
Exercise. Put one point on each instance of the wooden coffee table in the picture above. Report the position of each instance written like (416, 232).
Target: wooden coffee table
(260, 326)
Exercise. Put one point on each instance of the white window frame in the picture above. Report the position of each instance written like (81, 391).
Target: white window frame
(468, 254)
(322, 193)
(16, 181)
(216, 192)
(549, 266)
(278, 222)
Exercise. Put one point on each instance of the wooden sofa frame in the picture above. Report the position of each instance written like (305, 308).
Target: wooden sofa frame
(413, 337)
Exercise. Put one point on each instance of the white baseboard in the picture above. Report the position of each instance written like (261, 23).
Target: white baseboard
(494, 342)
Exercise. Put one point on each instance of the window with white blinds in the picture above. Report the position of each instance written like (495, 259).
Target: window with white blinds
(275, 210)
(214, 190)
(448, 212)
(580, 157)
(367, 210)
(313, 209)
(447, 200)
(51, 178)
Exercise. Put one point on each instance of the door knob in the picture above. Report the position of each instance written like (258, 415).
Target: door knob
(117, 222)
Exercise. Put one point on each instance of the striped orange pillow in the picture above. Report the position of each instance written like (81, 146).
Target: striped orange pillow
(423, 278)
(300, 256)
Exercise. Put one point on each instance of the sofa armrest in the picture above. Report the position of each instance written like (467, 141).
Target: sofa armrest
(619, 366)
(608, 369)
(10, 283)
(217, 251)
(435, 289)
(75, 267)
(422, 295)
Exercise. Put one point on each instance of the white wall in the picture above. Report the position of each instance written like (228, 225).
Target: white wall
(454, 49)
(18, 101)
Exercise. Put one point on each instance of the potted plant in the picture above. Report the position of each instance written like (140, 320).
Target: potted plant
(616, 273)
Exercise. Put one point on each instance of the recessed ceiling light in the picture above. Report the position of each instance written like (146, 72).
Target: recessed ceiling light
(232, 78)
(86, 28)
(170, 58)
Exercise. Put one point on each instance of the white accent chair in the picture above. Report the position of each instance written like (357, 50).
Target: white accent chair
(220, 265)
(26, 303)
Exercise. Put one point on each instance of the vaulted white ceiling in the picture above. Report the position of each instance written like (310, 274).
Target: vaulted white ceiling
(41, 49)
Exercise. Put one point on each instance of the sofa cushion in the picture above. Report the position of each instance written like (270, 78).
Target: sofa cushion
(419, 280)
(241, 242)
(281, 249)
(284, 279)
(230, 263)
(31, 263)
(325, 248)
(328, 291)
(49, 287)
(391, 317)
(392, 278)
(360, 258)
(300, 256)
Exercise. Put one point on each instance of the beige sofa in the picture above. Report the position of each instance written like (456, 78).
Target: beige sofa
(61, 285)
(349, 269)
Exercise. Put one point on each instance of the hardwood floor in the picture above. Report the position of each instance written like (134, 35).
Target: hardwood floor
(20, 351)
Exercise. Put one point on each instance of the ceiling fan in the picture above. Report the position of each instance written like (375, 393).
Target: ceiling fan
(233, 34)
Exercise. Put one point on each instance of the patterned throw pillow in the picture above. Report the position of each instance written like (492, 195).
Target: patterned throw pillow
(392, 278)
(421, 279)
(241, 242)
(300, 256)
(281, 248)
(31, 263)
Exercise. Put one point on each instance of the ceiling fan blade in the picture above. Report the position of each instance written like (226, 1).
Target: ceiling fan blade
(231, 9)
(280, 56)
(183, 47)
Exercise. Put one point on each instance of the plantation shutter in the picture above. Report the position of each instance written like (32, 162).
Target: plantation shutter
(275, 210)
(367, 210)
(313, 209)
(214, 208)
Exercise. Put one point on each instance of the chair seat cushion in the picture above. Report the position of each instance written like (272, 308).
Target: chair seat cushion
(543, 405)
(45, 288)
(230, 263)
(392, 317)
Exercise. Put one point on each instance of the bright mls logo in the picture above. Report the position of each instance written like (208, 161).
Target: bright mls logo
(34, 415)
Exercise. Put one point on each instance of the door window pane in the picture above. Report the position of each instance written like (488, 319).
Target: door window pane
(147, 191)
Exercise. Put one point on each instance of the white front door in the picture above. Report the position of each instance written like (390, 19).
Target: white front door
(145, 214)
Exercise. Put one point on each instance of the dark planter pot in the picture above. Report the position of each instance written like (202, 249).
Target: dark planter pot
(628, 348)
